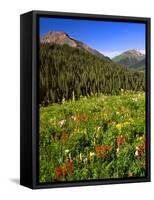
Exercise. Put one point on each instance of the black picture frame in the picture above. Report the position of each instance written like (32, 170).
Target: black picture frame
(29, 93)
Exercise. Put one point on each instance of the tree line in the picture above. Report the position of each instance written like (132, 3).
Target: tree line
(67, 73)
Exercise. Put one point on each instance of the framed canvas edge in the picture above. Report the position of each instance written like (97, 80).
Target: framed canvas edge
(35, 162)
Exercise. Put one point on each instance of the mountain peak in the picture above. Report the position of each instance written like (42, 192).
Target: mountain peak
(56, 33)
(134, 53)
(130, 58)
(62, 38)
(54, 37)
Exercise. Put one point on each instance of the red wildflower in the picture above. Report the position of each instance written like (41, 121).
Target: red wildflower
(65, 169)
(103, 148)
(141, 149)
(121, 140)
(58, 172)
(80, 118)
(98, 150)
(108, 148)
(102, 151)
(70, 166)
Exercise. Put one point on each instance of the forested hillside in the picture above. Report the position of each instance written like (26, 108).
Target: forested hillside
(67, 73)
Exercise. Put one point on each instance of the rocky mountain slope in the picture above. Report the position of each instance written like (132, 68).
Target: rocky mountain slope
(63, 38)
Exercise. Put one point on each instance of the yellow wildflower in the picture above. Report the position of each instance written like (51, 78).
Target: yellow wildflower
(119, 126)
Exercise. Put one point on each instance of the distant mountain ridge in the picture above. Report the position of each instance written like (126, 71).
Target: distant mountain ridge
(132, 59)
(63, 38)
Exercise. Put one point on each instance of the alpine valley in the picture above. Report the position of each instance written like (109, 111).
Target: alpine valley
(91, 112)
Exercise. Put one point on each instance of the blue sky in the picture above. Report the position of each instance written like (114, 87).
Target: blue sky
(110, 38)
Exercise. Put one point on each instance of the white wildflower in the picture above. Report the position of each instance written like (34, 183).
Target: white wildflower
(80, 156)
(70, 157)
(66, 151)
(92, 154)
(74, 118)
(85, 160)
(98, 128)
(62, 122)
(137, 152)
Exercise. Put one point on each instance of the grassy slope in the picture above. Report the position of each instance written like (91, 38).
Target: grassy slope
(93, 138)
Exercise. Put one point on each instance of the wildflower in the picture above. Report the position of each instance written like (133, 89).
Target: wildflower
(66, 151)
(98, 151)
(140, 150)
(69, 155)
(85, 160)
(137, 152)
(80, 156)
(58, 172)
(70, 166)
(98, 128)
(74, 118)
(92, 154)
(141, 138)
(118, 150)
(130, 174)
(120, 140)
(80, 118)
(119, 126)
(102, 151)
(65, 169)
(61, 123)
(108, 148)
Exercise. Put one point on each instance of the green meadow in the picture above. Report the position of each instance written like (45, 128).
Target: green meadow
(97, 137)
